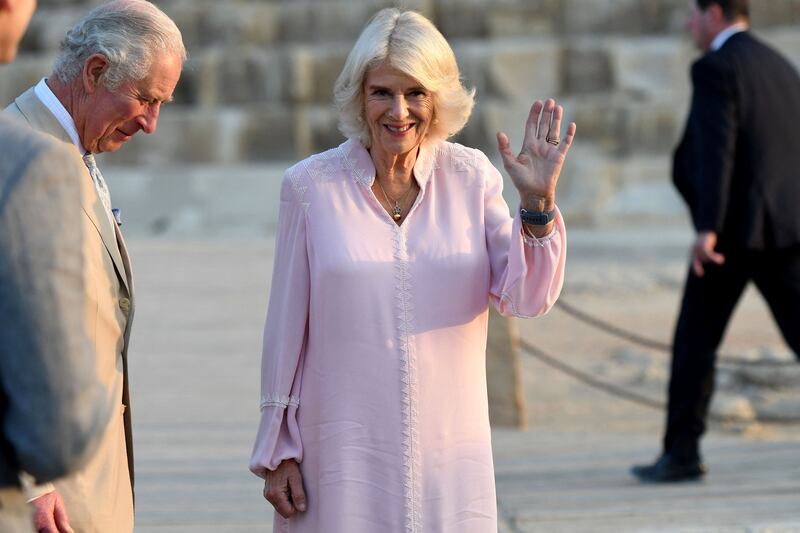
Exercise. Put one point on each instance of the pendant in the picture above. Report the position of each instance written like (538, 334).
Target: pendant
(397, 212)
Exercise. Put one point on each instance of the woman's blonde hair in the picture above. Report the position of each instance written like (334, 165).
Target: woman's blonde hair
(410, 43)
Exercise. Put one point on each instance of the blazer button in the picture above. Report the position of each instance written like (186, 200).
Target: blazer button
(124, 304)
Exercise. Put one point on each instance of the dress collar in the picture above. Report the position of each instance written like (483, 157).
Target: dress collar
(356, 160)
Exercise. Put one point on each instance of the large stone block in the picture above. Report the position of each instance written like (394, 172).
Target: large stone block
(235, 22)
(528, 18)
(183, 136)
(651, 66)
(48, 28)
(327, 63)
(479, 19)
(17, 77)
(236, 75)
(476, 133)
(775, 13)
(300, 74)
(581, 17)
(197, 202)
(322, 121)
(473, 65)
(586, 186)
(601, 120)
(787, 41)
(653, 126)
(619, 124)
(461, 19)
(524, 70)
(274, 132)
(333, 21)
(587, 67)
(643, 192)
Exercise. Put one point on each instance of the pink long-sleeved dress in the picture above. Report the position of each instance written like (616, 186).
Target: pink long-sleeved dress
(373, 368)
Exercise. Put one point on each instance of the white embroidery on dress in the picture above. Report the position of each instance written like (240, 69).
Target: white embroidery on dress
(408, 377)
(319, 167)
(463, 160)
(361, 175)
(274, 399)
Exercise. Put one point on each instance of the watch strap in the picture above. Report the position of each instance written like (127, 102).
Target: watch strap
(537, 218)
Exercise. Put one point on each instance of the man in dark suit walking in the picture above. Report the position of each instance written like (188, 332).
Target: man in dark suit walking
(738, 169)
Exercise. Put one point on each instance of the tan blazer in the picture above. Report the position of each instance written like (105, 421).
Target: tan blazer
(99, 497)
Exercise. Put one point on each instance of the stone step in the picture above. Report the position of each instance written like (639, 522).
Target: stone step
(239, 200)
(268, 23)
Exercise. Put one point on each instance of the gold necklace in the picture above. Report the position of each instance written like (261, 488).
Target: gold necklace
(397, 210)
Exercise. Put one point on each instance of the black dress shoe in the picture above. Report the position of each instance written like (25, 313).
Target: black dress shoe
(667, 469)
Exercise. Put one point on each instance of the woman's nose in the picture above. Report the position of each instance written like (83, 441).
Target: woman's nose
(399, 107)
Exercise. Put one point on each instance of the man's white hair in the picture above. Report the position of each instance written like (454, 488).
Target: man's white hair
(129, 33)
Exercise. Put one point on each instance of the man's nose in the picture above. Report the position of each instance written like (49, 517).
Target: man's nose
(149, 120)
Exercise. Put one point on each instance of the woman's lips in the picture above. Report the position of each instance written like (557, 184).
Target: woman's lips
(398, 130)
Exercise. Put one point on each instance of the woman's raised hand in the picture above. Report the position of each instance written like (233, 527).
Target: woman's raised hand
(535, 170)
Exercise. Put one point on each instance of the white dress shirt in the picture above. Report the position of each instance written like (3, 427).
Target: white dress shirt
(726, 34)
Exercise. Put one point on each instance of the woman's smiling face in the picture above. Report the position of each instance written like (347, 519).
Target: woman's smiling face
(398, 110)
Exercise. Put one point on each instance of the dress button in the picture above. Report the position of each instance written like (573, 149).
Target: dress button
(124, 304)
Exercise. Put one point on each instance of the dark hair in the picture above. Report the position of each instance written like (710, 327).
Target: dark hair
(731, 9)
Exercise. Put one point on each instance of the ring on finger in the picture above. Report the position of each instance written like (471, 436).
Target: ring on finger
(553, 140)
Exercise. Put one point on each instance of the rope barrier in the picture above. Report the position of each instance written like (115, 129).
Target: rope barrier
(616, 331)
(635, 397)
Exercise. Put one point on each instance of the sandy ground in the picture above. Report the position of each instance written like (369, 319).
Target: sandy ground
(195, 372)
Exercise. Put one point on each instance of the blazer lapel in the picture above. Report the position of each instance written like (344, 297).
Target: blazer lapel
(40, 118)
(94, 209)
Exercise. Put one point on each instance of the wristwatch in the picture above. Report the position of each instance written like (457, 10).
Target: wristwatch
(537, 218)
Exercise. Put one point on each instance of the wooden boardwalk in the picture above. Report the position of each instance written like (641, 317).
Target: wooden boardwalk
(195, 371)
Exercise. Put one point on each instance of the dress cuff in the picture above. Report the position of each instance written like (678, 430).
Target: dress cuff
(533, 241)
(277, 400)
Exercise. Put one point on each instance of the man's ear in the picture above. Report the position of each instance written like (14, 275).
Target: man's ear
(717, 14)
(93, 70)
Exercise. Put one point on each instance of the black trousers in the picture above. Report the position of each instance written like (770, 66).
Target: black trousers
(708, 303)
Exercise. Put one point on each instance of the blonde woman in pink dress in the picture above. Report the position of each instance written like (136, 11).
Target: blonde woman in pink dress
(374, 414)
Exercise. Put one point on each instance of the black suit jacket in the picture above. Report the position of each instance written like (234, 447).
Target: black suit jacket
(738, 164)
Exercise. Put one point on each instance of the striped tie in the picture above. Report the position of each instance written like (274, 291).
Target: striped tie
(99, 184)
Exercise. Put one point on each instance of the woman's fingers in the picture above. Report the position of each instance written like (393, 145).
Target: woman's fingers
(279, 498)
(504, 147)
(298, 494)
(554, 131)
(284, 489)
(566, 142)
(532, 124)
(546, 120)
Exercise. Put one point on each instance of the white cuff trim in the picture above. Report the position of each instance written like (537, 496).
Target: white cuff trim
(530, 240)
(276, 400)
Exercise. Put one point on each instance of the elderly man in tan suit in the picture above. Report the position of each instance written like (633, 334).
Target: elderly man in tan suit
(53, 409)
(116, 68)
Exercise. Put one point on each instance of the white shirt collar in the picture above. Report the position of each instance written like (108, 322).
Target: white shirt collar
(52, 103)
(726, 34)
